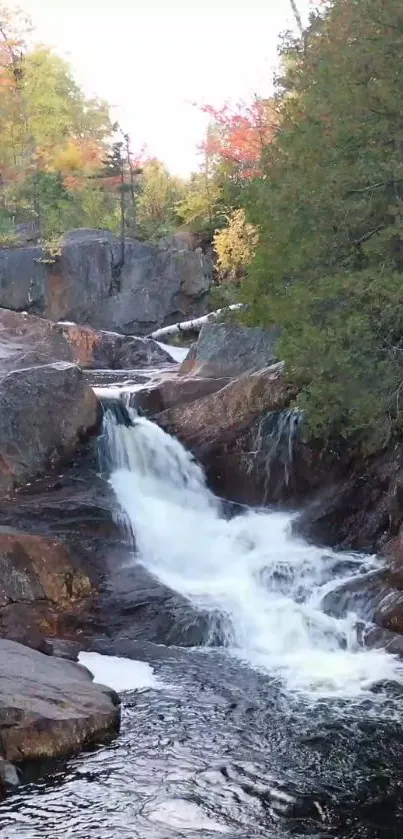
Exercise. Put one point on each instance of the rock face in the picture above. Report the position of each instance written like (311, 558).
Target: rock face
(216, 418)
(44, 413)
(26, 340)
(228, 349)
(171, 392)
(39, 577)
(49, 707)
(87, 285)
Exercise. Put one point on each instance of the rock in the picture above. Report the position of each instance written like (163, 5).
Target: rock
(268, 462)
(23, 279)
(8, 775)
(27, 340)
(44, 414)
(78, 511)
(170, 393)
(181, 241)
(65, 649)
(355, 506)
(229, 349)
(86, 284)
(109, 350)
(36, 568)
(49, 707)
(42, 580)
(231, 432)
(216, 419)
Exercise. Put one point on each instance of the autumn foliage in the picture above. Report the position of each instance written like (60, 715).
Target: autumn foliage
(239, 135)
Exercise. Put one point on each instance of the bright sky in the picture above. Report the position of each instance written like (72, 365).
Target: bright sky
(152, 59)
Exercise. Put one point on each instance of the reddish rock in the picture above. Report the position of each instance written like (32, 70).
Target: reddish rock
(27, 340)
(219, 417)
(37, 568)
(170, 393)
(39, 579)
(87, 284)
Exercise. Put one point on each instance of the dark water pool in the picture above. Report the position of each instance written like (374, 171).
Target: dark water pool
(221, 749)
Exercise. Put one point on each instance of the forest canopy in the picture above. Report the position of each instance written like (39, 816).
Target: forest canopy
(300, 194)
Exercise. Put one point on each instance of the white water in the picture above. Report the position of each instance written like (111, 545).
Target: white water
(119, 673)
(177, 353)
(267, 584)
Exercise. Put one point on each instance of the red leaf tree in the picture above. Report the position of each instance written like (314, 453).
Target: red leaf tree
(239, 135)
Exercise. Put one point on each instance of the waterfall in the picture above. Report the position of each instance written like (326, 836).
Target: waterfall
(274, 438)
(266, 584)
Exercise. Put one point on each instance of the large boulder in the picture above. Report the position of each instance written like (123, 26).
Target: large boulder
(87, 284)
(45, 412)
(172, 392)
(26, 340)
(208, 424)
(229, 349)
(49, 707)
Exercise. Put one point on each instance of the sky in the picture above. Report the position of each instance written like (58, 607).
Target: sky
(157, 61)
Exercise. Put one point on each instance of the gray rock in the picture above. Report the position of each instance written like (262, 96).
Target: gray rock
(27, 340)
(155, 286)
(49, 707)
(23, 279)
(8, 774)
(229, 349)
(44, 413)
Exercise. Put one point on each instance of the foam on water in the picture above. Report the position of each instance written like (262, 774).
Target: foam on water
(266, 583)
(177, 353)
(120, 674)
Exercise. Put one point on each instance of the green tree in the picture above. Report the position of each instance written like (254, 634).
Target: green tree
(51, 136)
(330, 213)
(159, 194)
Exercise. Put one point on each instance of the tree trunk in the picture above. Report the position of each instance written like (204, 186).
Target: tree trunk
(193, 325)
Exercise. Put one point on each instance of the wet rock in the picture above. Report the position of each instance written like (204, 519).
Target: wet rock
(383, 639)
(65, 649)
(120, 600)
(8, 775)
(45, 412)
(110, 350)
(27, 340)
(38, 578)
(33, 567)
(229, 349)
(170, 393)
(362, 595)
(355, 506)
(87, 284)
(220, 416)
(49, 707)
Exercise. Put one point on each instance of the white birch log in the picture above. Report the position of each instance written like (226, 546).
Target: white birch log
(193, 325)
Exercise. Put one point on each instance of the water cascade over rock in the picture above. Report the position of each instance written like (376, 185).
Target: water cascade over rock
(266, 586)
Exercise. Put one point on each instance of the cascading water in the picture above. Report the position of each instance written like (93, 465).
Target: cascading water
(266, 584)
(285, 734)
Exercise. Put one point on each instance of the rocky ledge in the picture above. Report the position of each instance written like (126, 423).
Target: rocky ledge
(50, 707)
(86, 282)
(64, 575)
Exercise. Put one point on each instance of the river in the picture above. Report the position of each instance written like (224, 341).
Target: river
(283, 724)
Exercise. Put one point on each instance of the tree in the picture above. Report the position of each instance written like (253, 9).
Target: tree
(330, 212)
(235, 246)
(52, 138)
(159, 194)
(239, 136)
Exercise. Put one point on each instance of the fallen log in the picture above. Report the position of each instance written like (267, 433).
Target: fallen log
(193, 325)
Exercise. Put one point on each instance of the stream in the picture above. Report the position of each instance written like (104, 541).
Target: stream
(283, 725)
